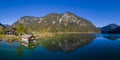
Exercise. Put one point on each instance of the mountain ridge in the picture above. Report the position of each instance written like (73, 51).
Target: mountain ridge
(67, 22)
(111, 28)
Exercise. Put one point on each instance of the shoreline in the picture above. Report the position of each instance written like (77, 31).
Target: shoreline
(70, 33)
(42, 35)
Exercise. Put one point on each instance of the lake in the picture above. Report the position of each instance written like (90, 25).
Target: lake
(64, 47)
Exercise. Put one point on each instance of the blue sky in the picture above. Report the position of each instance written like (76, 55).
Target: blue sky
(99, 12)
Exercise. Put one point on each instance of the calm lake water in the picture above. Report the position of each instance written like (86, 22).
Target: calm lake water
(64, 47)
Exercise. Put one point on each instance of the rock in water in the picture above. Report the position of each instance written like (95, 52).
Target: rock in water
(67, 22)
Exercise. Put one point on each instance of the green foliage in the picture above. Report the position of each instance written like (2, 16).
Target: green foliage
(20, 29)
(1, 32)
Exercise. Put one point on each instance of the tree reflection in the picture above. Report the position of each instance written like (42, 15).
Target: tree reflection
(20, 50)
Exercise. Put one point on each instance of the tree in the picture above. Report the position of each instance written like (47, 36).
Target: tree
(20, 29)
(1, 30)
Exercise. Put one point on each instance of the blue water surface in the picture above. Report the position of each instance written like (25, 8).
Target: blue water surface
(68, 47)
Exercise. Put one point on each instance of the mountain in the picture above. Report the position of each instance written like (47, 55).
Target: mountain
(111, 28)
(1, 27)
(67, 22)
(116, 30)
(6, 25)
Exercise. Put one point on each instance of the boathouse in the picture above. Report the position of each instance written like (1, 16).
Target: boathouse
(26, 38)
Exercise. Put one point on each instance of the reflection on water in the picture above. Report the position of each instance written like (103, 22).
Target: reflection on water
(63, 42)
(19, 50)
(111, 37)
(63, 47)
(30, 46)
(66, 42)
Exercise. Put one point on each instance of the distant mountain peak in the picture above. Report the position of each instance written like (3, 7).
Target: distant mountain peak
(28, 17)
(113, 24)
(68, 13)
(2, 25)
(111, 28)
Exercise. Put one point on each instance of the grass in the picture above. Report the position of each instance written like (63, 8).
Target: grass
(10, 37)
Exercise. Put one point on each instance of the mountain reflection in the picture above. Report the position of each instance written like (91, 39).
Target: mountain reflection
(66, 42)
(111, 37)
(59, 42)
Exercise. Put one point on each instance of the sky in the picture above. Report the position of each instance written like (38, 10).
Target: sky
(99, 12)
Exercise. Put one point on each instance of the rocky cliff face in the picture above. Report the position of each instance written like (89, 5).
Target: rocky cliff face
(67, 22)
